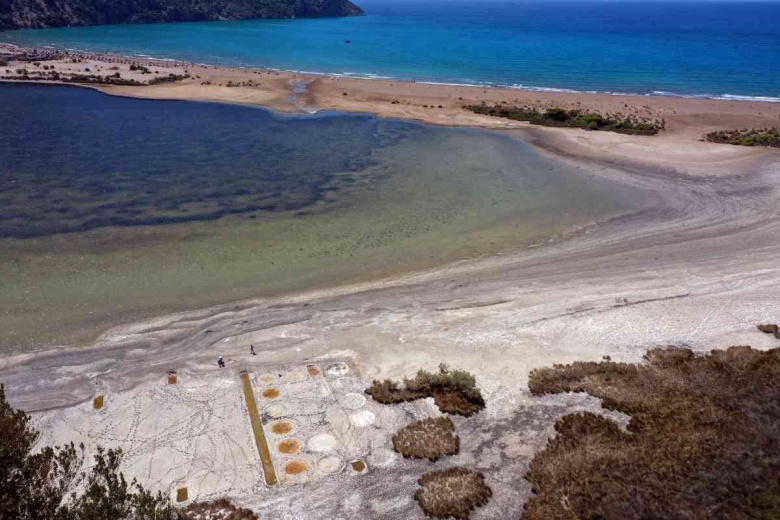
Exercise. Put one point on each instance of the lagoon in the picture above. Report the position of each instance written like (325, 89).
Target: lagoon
(115, 209)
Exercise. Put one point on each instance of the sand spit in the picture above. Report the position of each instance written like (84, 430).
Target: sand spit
(686, 119)
(700, 271)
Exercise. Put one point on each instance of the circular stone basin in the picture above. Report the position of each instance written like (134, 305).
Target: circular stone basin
(275, 411)
(281, 427)
(296, 467)
(289, 447)
(358, 466)
(352, 401)
(313, 370)
(362, 419)
(351, 385)
(337, 369)
(271, 393)
(322, 443)
(330, 464)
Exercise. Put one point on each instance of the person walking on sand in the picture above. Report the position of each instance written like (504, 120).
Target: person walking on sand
(221, 362)
(252, 350)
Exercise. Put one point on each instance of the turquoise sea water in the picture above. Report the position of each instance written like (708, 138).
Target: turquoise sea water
(714, 49)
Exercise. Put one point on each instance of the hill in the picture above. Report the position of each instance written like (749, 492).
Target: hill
(29, 14)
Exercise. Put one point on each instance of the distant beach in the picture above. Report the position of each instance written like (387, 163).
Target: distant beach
(722, 50)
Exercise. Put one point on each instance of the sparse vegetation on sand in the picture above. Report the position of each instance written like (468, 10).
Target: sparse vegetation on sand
(453, 391)
(573, 118)
(453, 492)
(746, 137)
(703, 440)
(427, 439)
(93, 79)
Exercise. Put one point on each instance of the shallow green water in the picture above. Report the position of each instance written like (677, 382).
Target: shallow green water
(344, 199)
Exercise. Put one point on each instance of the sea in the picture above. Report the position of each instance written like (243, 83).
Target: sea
(718, 49)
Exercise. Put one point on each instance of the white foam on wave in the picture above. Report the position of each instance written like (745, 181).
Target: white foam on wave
(452, 83)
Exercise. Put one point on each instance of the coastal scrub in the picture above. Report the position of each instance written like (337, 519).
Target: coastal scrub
(452, 493)
(746, 137)
(574, 118)
(702, 442)
(454, 392)
(427, 439)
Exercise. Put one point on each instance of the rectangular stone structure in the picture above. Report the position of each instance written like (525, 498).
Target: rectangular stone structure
(257, 428)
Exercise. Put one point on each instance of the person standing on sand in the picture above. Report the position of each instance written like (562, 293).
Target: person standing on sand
(221, 362)
(252, 350)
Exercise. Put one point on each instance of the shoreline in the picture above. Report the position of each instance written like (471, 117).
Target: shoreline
(407, 96)
(678, 147)
(676, 150)
(443, 82)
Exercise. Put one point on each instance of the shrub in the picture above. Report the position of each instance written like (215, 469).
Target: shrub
(769, 328)
(703, 437)
(453, 492)
(453, 391)
(221, 509)
(557, 116)
(427, 439)
(746, 137)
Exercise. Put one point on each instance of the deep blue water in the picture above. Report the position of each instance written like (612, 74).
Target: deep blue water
(687, 48)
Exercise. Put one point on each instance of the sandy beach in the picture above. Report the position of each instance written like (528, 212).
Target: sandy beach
(686, 119)
(700, 272)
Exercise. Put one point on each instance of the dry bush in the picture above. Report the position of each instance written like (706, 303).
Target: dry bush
(427, 439)
(452, 401)
(769, 328)
(222, 509)
(453, 391)
(703, 440)
(453, 492)
(388, 392)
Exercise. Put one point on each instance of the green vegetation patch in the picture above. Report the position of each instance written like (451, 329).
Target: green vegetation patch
(453, 391)
(427, 439)
(573, 118)
(452, 493)
(703, 440)
(746, 137)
